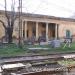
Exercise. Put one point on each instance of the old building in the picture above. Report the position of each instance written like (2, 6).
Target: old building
(34, 25)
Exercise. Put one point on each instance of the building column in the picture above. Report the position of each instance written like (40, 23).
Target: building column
(56, 31)
(25, 30)
(22, 30)
(37, 31)
(47, 32)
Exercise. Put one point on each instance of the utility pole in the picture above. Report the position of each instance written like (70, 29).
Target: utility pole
(5, 6)
(20, 23)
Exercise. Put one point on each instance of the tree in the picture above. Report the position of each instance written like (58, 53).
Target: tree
(10, 18)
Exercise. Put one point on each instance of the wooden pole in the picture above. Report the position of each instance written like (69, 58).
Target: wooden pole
(20, 23)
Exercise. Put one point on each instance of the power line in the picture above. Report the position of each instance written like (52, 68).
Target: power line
(48, 3)
(40, 4)
(2, 5)
(36, 8)
(26, 9)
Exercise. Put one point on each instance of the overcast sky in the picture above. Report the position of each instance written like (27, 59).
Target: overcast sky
(59, 8)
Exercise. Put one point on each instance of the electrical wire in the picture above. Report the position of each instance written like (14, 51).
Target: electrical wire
(63, 8)
(40, 6)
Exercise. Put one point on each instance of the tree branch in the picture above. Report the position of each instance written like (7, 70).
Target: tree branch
(14, 17)
(3, 23)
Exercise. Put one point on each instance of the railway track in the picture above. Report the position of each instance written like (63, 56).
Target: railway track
(16, 59)
(35, 57)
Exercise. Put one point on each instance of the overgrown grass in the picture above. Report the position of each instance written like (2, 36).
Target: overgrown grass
(52, 50)
(11, 50)
(68, 62)
(14, 50)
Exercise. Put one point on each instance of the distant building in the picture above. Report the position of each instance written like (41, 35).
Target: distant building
(41, 25)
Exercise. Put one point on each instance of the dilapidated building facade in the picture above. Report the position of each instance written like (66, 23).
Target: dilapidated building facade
(34, 25)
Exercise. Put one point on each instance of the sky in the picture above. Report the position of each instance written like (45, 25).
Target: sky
(58, 8)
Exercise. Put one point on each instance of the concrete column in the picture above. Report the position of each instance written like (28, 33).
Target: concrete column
(25, 30)
(37, 31)
(56, 31)
(22, 30)
(47, 32)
